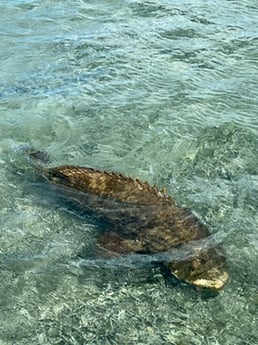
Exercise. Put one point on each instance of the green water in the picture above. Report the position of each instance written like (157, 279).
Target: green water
(163, 90)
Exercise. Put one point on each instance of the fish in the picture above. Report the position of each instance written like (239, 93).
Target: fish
(143, 220)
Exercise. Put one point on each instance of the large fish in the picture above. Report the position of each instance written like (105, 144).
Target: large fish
(144, 220)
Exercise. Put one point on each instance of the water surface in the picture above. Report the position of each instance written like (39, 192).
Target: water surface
(163, 90)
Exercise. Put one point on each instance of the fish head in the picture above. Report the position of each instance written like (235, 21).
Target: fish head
(204, 270)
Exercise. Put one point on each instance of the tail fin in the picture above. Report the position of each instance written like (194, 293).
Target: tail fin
(37, 157)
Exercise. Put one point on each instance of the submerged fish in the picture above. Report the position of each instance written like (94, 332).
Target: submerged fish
(144, 220)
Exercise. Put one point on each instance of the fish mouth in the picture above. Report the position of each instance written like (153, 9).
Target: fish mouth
(215, 283)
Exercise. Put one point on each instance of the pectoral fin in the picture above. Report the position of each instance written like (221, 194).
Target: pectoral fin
(114, 244)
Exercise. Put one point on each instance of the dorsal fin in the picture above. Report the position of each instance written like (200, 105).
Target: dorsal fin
(108, 184)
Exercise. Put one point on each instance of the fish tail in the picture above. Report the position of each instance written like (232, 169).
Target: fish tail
(37, 157)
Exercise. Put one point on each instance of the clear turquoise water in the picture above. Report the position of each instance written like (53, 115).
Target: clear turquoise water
(162, 90)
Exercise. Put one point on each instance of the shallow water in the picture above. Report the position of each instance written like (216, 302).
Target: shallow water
(162, 90)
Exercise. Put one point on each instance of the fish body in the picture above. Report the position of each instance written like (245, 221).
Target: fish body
(144, 220)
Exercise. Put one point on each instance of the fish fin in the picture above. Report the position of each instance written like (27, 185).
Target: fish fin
(114, 245)
(37, 157)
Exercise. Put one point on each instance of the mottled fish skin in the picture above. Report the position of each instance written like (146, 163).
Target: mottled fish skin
(109, 184)
(144, 220)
